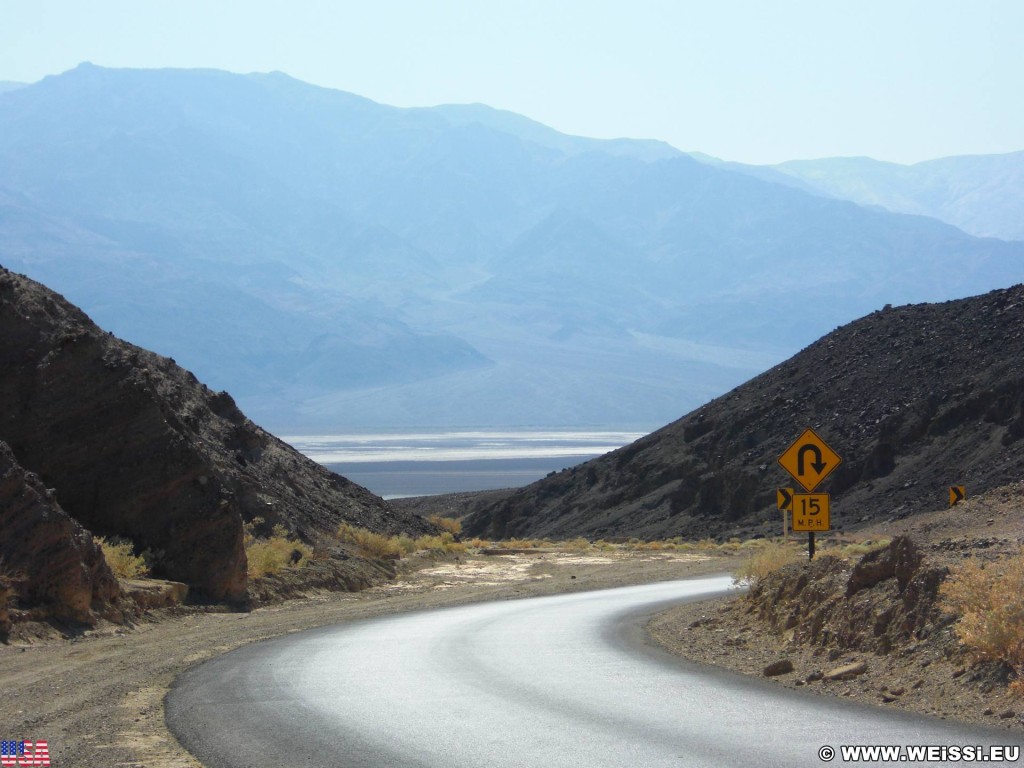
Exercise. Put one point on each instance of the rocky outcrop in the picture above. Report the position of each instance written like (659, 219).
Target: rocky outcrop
(47, 559)
(914, 399)
(138, 448)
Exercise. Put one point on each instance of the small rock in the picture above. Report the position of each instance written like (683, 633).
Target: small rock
(780, 667)
(888, 699)
(834, 654)
(847, 671)
(815, 675)
(1006, 714)
(898, 691)
(988, 711)
(958, 672)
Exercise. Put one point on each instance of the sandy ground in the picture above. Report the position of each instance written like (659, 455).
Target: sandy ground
(98, 699)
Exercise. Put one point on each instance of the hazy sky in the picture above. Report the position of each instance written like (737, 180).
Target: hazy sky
(756, 81)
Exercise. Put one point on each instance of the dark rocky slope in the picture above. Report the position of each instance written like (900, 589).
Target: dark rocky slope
(137, 447)
(914, 399)
(46, 558)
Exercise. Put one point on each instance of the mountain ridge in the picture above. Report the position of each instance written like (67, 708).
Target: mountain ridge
(335, 262)
(980, 194)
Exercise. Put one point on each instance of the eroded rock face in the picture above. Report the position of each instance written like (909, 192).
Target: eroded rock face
(137, 447)
(886, 599)
(49, 559)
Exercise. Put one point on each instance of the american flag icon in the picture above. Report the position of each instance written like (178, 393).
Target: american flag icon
(15, 754)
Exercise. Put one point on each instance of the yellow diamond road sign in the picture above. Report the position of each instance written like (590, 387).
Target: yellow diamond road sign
(809, 460)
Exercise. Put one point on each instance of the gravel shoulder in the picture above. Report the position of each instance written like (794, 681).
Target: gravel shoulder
(932, 675)
(98, 699)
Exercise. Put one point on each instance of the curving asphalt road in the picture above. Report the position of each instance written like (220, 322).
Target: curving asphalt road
(550, 682)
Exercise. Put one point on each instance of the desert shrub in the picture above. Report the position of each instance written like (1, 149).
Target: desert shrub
(406, 545)
(120, 556)
(267, 555)
(579, 544)
(372, 544)
(989, 597)
(754, 543)
(444, 543)
(449, 524)
(525, 543)
(767, 559)
(854, 550)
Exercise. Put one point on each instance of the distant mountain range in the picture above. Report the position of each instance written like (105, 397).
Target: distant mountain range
(336, 263)
(982, 195)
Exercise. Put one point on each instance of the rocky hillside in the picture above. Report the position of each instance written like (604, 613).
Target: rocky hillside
(136, 447)
(913, 399)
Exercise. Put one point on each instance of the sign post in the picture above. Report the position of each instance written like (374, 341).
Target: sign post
(809, 460)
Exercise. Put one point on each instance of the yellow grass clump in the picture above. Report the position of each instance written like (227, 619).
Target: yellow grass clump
(444, 543)
(853, 550)
(990, 600)
(120, 556)
(449, 524)
(368, 543)
(272, 554)
(378, 545)
(768, 559)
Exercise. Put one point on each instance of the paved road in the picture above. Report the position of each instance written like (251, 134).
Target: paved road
(549, 682)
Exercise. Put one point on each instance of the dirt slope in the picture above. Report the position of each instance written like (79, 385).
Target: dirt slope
(913, 399)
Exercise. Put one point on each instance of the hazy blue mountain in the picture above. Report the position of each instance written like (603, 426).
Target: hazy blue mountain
(540, 134)
(981, 194)
(10, 85)
(336, 262)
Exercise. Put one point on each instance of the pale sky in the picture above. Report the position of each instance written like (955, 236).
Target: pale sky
(758, 81)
